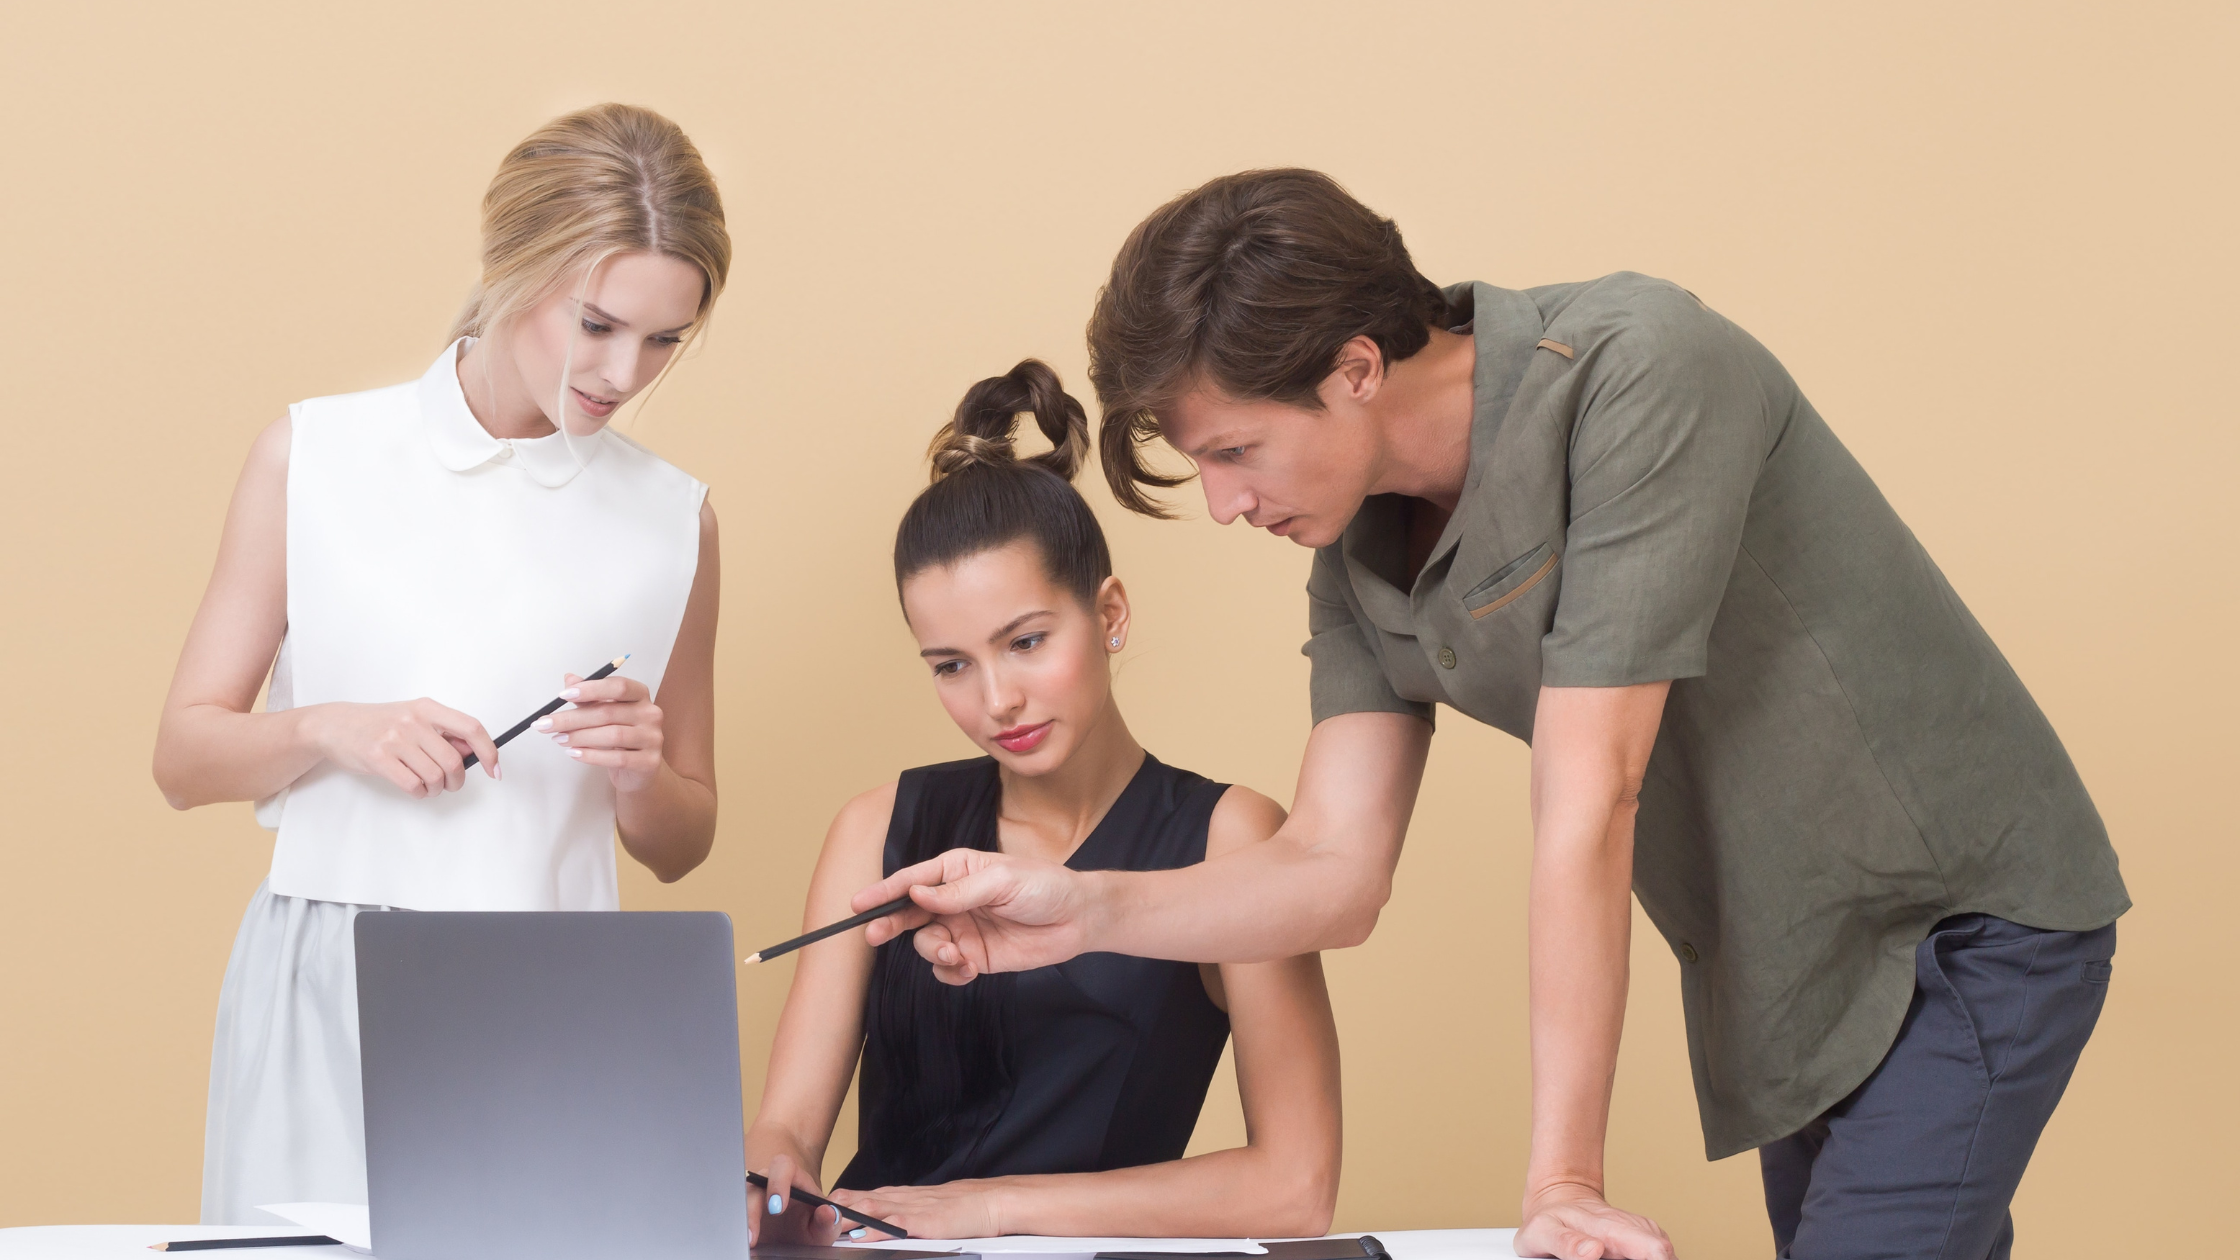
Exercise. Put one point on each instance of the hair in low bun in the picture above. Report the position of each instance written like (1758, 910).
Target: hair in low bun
(980, 433)
(984, 496)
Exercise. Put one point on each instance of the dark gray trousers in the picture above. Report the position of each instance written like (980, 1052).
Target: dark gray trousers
(1922, 1160)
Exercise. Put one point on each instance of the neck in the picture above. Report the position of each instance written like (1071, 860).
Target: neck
(1424, 410)
(1049, 815)
(497, 395)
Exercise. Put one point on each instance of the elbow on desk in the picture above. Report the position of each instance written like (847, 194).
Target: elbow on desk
(1300, 1200)
(1311, 1216)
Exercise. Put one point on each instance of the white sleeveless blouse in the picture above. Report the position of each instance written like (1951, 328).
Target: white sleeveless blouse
(427, 558)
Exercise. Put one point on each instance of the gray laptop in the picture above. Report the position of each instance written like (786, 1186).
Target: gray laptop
(557, 1086)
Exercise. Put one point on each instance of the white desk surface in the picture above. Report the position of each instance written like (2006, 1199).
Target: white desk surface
(130, 1242)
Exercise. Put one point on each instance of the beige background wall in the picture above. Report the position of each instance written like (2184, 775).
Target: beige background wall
(1993, 242)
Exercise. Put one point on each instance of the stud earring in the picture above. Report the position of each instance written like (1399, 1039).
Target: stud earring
(1116, 641)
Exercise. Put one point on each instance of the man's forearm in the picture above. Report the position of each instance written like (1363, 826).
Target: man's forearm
(1317, 883)
(1301, 899)
(1590, 751)
(1581, 930)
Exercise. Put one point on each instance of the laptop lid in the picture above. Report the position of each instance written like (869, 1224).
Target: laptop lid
(551, 1085)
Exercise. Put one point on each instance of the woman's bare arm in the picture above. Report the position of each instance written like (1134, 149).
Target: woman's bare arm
(669, 824)
(1282, 1182)
(211, 747)
(820, 1032)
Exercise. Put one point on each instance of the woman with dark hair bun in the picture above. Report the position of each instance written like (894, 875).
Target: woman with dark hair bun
(1059, 1100)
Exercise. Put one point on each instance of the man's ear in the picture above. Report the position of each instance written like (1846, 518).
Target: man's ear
(1359, 374)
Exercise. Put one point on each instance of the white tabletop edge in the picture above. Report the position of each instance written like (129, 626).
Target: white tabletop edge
(131, 1242)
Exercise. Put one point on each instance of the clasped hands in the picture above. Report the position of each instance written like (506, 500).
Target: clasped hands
(421, 746)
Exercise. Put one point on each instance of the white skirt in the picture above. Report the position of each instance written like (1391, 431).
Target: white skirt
(287, 1121)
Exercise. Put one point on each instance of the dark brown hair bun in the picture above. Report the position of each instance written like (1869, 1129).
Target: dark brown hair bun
(980, 433)
(984, 496)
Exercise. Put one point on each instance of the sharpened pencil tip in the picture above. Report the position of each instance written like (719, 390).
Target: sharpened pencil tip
(617, 662)
(750, 960)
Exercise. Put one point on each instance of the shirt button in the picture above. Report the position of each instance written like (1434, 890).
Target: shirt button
(1446, 658)
(1687, 952)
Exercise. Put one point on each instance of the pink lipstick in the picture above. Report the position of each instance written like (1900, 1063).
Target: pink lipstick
(1024, 739)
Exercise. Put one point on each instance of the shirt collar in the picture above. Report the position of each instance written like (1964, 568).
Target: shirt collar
(1505, 327)
(461, 444)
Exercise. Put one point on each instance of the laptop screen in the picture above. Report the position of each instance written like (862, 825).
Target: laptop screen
(551, 1085)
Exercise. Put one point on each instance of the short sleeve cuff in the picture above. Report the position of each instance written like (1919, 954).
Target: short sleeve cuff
(1348, 679)
(1585, 667)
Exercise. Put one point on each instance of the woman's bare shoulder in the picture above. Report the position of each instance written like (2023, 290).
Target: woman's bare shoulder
(860, 828)
(266, 468)
(1242, 817)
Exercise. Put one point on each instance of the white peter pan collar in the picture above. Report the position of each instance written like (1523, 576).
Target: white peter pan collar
(461, 444)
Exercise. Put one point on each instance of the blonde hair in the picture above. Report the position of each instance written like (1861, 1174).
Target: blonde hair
(601, 181)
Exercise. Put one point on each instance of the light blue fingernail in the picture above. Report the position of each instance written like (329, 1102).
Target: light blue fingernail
(858, 1232)
(777, 1205)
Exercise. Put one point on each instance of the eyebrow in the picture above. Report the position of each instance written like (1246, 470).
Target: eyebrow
(593, 309)
(1219, 441)
(999, 636)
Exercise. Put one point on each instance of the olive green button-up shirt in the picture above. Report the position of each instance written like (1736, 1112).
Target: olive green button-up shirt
(1845, 757)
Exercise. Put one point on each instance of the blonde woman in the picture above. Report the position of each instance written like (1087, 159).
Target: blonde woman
(418, 565)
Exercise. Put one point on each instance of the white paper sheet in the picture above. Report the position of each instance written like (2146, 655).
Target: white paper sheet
(1042, 1245)
(346, 1223)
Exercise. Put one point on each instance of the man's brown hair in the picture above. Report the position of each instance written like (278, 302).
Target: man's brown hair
(1250, 285)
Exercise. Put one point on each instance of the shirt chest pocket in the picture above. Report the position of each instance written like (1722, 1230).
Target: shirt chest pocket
(1509, 583)
(1493, 635)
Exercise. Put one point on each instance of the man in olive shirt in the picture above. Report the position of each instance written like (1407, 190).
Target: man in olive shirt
(1602, 518)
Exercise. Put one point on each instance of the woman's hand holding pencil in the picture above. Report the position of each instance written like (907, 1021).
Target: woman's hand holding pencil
(426, 748)
(785, 1207)
(421, 746)
(614, 725)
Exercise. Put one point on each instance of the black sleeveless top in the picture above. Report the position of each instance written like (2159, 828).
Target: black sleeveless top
(1097, 1063)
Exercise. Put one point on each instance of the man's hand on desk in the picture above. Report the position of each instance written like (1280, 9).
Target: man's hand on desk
(1574, 1223)
(981, 912)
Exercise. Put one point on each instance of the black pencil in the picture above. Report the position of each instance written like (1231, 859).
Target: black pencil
(554, 707)
(819, 1201)
(831, 929)
(220, 1244)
